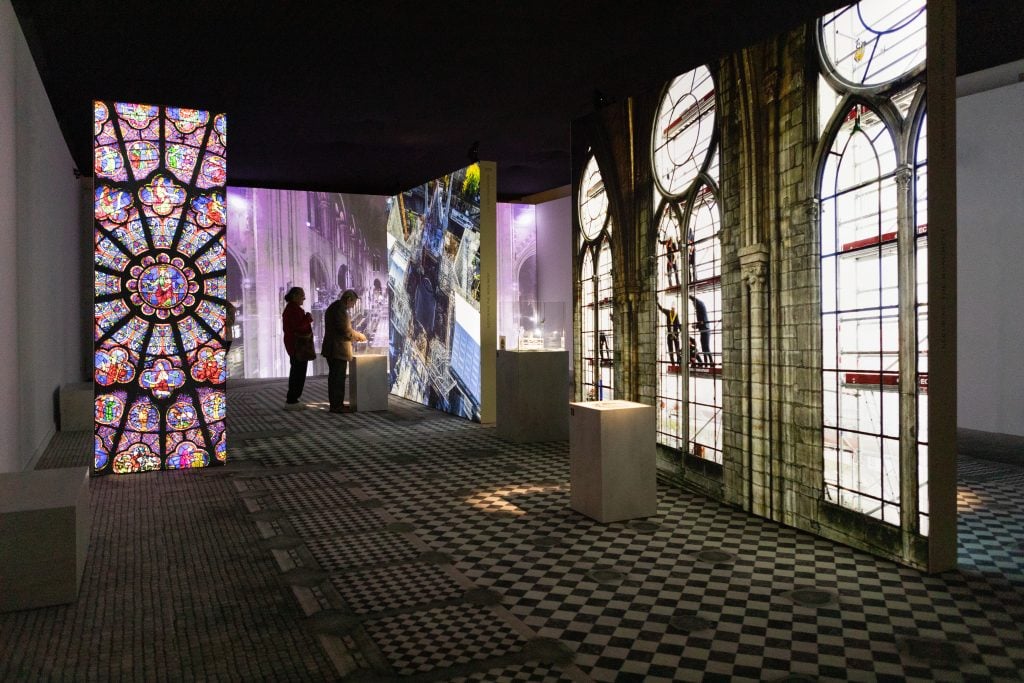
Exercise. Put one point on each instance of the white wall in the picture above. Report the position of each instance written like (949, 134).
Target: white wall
(554, 259)
(9, 36)
(42, 344)
(990, 261)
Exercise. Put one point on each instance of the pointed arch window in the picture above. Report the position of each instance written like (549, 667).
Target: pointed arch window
(597, 338)
(873, 269)
(688, 285)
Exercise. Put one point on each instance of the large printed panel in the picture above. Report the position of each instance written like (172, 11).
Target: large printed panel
(160, 302)
(435, 293)
(324, 242)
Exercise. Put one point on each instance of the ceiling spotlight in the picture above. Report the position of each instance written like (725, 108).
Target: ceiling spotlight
(600, 101)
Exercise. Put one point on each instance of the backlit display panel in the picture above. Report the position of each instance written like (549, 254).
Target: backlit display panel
(434, 290)
(160, 215)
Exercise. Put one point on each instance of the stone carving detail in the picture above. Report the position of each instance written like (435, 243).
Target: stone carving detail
(755, 273)
(770, 85)
(904, 174)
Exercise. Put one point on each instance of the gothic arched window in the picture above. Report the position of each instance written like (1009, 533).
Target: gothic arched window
(873, 269)
(597, 342)
(688, 290)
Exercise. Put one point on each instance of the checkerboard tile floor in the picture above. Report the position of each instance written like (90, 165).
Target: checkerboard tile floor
(456, 634)
(467, 563)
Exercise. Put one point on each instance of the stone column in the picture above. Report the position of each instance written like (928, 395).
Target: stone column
(754, 261)
(906, 258)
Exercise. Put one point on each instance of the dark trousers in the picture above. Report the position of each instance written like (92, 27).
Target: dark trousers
(296, 379)
(337, 369)
(705, 346)
(673, 348)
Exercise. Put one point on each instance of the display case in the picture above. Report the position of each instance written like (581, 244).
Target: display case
(531, 325)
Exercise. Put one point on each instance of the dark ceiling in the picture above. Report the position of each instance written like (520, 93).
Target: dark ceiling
(375, 97)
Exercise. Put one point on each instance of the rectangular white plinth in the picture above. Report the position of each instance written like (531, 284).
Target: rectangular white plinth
(533, 393)
(76, 407)
(612, 460)
(44, 536)
(368, 385)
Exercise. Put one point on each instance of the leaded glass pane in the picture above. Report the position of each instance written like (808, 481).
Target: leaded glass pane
(683, 130)
(875, 42)
(159, 354)
(593, 201)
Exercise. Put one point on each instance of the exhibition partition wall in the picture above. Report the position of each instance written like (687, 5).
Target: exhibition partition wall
(160, 287)
(528, 320)
(764, 252)
(324, 242)
(441, 281)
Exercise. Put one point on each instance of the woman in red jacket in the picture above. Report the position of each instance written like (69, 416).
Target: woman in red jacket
(298, 331)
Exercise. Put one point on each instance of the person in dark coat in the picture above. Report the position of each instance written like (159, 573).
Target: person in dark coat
(298, 327)
(337, 347)
(701, 325)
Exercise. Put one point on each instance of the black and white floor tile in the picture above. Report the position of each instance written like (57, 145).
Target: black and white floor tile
(434, 551)
(701, 591)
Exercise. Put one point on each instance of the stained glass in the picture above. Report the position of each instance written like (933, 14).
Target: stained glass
(160, 287)
(213, 172)
(107, 284)
(181, 159)
(216, 287)
(114, 365)
(164, 230)
(110, 312)
(191, 239)
(182, 415)
(108, 255)
(192, 334)
(143, 157)
(143, 416)
(133, 236)
(132, 334)
(162, 343)
(108, 163)
(212, 260)
(109, 408)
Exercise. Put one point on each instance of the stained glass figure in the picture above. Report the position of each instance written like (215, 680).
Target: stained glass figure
(160, 287)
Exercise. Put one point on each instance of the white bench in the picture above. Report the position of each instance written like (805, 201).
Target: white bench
(44, 536)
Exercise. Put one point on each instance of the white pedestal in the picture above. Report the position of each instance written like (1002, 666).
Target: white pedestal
(368, 382)
(533, 393)
(44, 535)
(76, 407)
(612, 460)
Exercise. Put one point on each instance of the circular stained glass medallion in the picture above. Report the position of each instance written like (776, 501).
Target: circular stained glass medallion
(163, 286)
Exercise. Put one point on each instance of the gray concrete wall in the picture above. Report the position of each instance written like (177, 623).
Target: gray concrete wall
(990, 245)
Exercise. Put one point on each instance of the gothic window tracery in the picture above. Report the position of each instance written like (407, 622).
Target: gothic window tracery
(688, 253)
(871, 213)
(597, 330)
